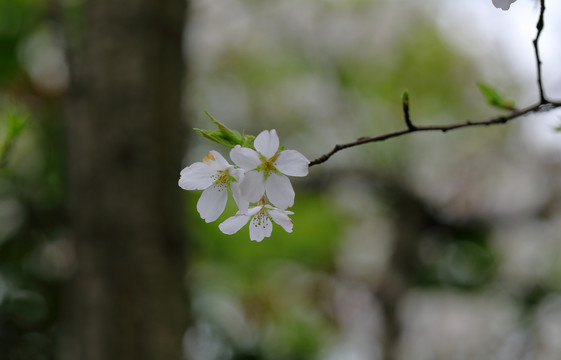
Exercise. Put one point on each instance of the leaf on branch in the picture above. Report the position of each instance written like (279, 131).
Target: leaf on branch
(494, 98)
(224, 135)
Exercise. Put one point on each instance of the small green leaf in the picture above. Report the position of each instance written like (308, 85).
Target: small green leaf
(223, 135)
(215, 136)
(494, 98)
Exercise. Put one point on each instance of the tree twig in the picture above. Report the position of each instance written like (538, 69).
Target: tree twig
(444, 128)
(539, 27)
(542, 105)
(407, 117)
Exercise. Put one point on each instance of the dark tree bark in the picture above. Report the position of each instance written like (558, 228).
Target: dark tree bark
(124, 137)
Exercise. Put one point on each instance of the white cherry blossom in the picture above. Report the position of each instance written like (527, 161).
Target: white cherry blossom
(267, 169)
(260, 218)
(503, 4)
(215, 176)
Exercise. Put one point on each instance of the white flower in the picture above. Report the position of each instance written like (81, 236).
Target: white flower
(503, 4)
(267, 169)
(215, 176)
(260, 218)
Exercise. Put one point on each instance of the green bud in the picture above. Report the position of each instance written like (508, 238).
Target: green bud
(405, 99)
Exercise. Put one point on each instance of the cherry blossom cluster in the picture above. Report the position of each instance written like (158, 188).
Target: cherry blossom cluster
(258, 181)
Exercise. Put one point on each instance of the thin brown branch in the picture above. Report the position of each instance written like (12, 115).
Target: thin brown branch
(405, 102)
(543, 105)
(539, 107)
(539, 27)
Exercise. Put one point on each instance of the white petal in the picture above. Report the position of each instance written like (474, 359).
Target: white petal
(292, 163)
(279, 190)
(219, 163)
(287, 212)
(212, 202)
(267, 143)
(237, 174)
(233, 224)
(245, 158)
(198, 176)
(254, 210)
(281, 218)
(253, 186)
(241, 201)
(260, 227)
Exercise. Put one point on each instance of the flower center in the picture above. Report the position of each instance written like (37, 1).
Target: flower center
(222, 178)
(260, 219)
(268, 165)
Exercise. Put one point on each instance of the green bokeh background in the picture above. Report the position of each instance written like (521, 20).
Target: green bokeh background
(320, 72)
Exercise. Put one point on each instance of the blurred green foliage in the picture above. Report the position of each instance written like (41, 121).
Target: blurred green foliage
(287, 68)
(18, 18)
(269, 300)
(15, 122)
(31, 193)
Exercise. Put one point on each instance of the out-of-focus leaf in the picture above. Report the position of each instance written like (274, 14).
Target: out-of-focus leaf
(494, 98)
(16, 121)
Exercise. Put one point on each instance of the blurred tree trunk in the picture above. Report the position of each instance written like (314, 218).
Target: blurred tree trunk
(124, 135)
